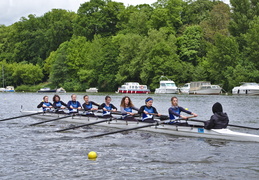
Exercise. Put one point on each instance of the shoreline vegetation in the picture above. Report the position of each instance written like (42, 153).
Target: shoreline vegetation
(106, 43)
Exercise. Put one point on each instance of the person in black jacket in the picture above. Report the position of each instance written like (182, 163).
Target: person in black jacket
(219, 119)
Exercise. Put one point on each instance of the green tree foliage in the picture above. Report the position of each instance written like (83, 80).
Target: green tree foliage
(195, 11)
(135, 19)
(217, 21)
(21, 73)
(221, 56)
(169, 12)
(97, 17)
(191, 45)
(251, 50)
(244, 12)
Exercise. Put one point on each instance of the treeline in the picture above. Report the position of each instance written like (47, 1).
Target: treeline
(106, 44)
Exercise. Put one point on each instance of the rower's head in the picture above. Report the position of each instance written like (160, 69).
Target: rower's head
(126, 102)
(174, 101)
(217, 107)
(46, 99)
(108, 99)
(86, 98)
(56, 98)
(149, 101)
(73, 97)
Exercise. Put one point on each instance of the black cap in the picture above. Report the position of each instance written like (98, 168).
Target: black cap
(217, 107)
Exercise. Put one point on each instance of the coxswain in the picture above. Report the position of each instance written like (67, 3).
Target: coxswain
(107, 107)
(126, 108)
(219, 119)
(45, 104)
(148, 111)
(58, 104)
(73, 105)
(88, 105)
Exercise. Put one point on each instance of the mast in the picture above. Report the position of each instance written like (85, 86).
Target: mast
(3, 74)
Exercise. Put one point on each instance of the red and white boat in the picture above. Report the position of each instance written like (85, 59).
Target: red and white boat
(134, 88)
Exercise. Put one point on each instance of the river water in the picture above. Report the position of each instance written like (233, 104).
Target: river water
(36, 152)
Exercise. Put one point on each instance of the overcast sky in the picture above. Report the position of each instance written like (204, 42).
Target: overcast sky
(12, 10)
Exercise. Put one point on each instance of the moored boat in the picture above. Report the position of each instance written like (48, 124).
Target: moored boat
(166, 87)
(248, 88)
(92, 90)
(46, 89)
(7, 89)
(201, 87)
(188, 131)
(133, 87)
(61, 90)
(185, 88)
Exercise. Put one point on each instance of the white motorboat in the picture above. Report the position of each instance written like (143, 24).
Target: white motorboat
(201, 87)
(166, 87)
(185, 88)
(134, 88)
(7, 89)
(188, 131)
(249, 88)
(92, 90)
(61, 90)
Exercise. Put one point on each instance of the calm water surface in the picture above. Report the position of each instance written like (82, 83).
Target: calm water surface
(39, 153)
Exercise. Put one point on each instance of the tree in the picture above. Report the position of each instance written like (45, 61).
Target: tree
(191, 45)
(196, 11)
(220, 57)
(251, 50)
(243, 13)
(217, 22)
(97, 17)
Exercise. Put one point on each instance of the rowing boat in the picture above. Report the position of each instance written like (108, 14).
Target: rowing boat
(188, 131)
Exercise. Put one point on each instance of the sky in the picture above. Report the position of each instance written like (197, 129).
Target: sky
(12, 10)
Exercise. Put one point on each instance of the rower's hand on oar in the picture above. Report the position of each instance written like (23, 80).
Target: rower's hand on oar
(94, 109)
(132, 114)
(195, 115)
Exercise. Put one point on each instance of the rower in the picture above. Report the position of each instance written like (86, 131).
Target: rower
(73, 105)
(126, 109)
(148, 111)
(58, 104)
(175, 112)
(88, 106)
(45, 104)
(218, 120)
(107, 107)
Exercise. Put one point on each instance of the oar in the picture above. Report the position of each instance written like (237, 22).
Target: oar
(21, 116)
(63, 117)
(196, 120)
(129, 129)
(97, 122)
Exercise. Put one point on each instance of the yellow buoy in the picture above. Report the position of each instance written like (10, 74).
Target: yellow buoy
(92, 155)
(186, 109)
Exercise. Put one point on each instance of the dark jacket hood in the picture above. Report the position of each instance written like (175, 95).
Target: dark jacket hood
(217, 108)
